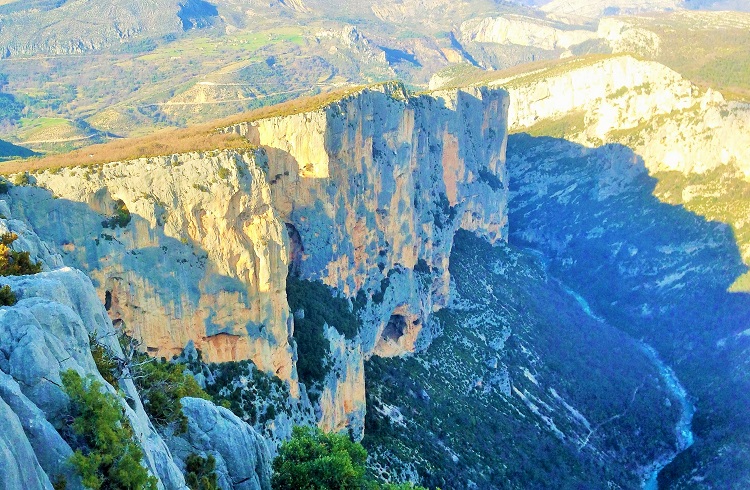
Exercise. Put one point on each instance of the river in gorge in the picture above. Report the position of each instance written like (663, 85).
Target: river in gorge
(683, 429)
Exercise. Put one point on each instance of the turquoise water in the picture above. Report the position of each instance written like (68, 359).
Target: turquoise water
(683, 429)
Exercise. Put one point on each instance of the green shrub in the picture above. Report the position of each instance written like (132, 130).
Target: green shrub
(60, 483)
(7, 296)
(107, 456)
(14, 263)
(22, 179)
(200, 473)
(315, 460)
(105, 361)
(120, 219)
(161, 385)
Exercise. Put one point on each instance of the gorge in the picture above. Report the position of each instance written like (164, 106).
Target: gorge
(461, 357)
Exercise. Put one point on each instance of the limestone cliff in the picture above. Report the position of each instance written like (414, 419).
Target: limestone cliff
(693, 141)
(560, 39)
(363, 194)
(524, 31)
(47, 332)
(203, 258)
(670, 122)
(374, 183)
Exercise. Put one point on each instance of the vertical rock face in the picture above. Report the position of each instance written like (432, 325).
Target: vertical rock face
(377, 182)
(673, 124)
(203, 257)
(597, 85)
(21, 468)
(364, 194)
(372, 189)
(523, 31)
(46, 333)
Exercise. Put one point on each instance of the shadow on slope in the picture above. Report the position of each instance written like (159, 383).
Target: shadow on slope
(9, 151)
(523, 388)
(168, 289)
(653, 270)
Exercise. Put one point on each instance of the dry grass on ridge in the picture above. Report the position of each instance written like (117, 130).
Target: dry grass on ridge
(202, 137)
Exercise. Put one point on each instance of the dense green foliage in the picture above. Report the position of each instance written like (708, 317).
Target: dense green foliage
(315, 304)
(200, 473)
(322, 305)
(7, 296)
(10, 108)
(107, 456)
(14, 263)
(315, 460)
(445, 412)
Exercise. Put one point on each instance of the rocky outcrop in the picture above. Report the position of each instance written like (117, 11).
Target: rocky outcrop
(378, 181)
(624, 37)
(524, 31)
(618, 88)
(21, 468)
(373, 186)
(242, 457)
(560, 39)
(665, 118)
(358, 194)
(203, 258)
(49, 453)
(45, 333)
(342, 403)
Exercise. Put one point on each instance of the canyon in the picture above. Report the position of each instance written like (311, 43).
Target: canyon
(491, 275)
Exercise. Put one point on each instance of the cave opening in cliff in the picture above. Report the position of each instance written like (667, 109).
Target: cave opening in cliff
(296, 250)
(395, 328)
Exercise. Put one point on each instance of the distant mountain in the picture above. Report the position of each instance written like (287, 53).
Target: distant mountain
(172, 63)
